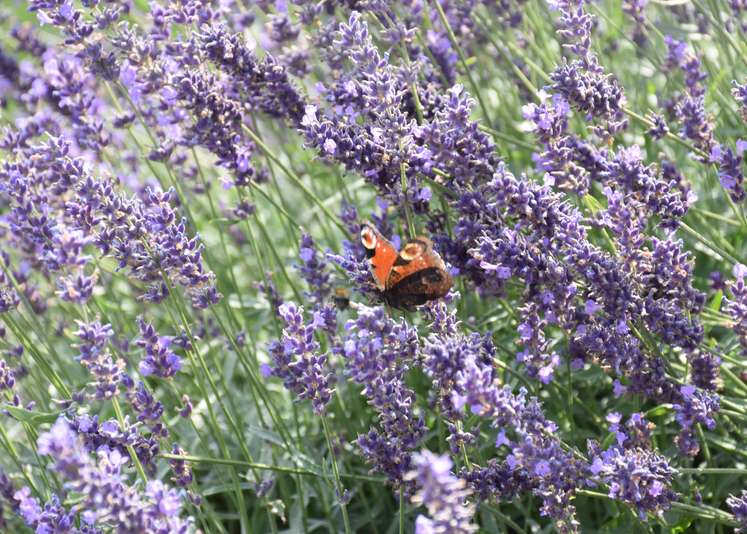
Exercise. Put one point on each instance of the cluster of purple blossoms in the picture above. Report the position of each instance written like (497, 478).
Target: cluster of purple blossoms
(738, 506)
(730, 173)
(182, 473)
(690, 107)
(107, 498)
(369, 87)
(453, 143)
(159, 360)
(647, 190)
(108, 373)
(145, 235)
(635, 433)
(740, 95)
(577, 286)
(536, 460)
(7, 377)
(262, 84)
(52, 517)
(9, 299)
(8, 383)
(111, 435)
(60, 208)
(632, 471)
(704, 369)
(297, 361)
(443, 495)
(582, 82)
(148, 410)
(314, 270)
(634, 9)
(217, 124)
(33, 180)
(378, 352)
(559, 161)
(696, 407)
(639, 477)
(735, 304)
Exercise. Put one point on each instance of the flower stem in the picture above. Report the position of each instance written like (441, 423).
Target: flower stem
(338, 482)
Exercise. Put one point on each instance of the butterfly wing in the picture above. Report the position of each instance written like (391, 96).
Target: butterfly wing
(417, 276)
(381, 254)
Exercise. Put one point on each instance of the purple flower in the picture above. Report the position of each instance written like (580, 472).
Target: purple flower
(738, 506)
(676, 51)
(591, 92)
(107, 372)
(112, 436)
(575, 26)
(637, 476)
(730, 171)
(443, 495)
(9, 299)
(182, 474)
(697, 125)
(148, 410)
(660, 129)
(378, 352)
(7, 377)
(536, 459)
(704, 370)
(297, 361)
(159, 359)
(28, 506)
(264, 83)
(634, 9)
(314, 270)
(740, 94)
(453, 143)
(735, 305)
(364, 113)
(106, 497)
(77, 289)
(696, 406)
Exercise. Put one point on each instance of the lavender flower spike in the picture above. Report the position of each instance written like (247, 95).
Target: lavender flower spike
(738, 506)
(442, 494)
(297, 360)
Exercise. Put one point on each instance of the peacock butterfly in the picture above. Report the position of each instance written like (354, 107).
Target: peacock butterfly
(409, 277)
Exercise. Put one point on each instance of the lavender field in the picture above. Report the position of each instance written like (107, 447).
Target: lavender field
(367, 266)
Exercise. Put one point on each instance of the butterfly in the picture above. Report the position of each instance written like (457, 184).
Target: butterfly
(409, 277)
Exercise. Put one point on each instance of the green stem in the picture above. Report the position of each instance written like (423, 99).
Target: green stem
(408, 211)
(294, 177)
(401, 510)
(462, 59)
(130, 449)
(338, 482)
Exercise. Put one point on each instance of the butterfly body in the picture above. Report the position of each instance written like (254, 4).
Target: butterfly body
(409, 277)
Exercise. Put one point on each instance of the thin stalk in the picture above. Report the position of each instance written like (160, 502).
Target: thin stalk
(408, 212)
(293, 177)
(401, 510)
(130, 448)
(338, 482)
(462, 60)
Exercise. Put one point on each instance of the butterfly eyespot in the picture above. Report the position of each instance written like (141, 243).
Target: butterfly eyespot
(410, 251)
(368, 238)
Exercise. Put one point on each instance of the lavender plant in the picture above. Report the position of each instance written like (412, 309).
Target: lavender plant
(190, 334)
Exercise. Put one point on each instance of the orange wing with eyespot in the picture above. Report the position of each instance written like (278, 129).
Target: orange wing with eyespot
(410, 277)
(381, 254)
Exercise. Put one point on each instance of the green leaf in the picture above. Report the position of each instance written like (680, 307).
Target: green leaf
(31, 417)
